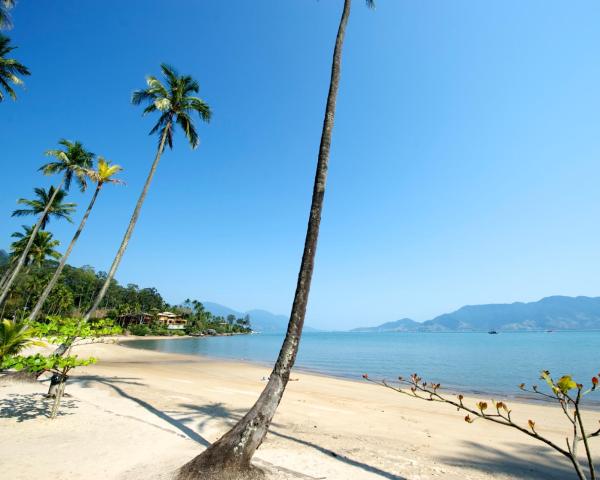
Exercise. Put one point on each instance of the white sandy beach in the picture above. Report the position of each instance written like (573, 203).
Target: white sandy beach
(140, 414)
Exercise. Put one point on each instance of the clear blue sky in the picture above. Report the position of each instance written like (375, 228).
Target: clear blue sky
(464, 169)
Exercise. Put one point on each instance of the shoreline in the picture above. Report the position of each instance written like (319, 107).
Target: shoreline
(516, 396)
(150, 412)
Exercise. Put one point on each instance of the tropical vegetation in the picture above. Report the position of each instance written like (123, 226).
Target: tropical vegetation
(72, 163)
(11, 70)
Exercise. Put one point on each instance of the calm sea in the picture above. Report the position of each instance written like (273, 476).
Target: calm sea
(475, 362)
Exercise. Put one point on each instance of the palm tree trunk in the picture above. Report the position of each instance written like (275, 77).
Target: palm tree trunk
(40, 303)
(132, 222)
(6, 276)
(230, 456)
(134, 218)
(23, 256)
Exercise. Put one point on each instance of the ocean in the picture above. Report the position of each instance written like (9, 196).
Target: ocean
(470, 362)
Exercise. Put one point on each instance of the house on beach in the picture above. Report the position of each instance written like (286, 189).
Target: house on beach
(171, 320)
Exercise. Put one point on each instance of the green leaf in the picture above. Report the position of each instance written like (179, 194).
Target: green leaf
(566, 383)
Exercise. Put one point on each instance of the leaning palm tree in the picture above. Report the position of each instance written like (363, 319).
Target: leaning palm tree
(73, 162)
(10, 69)
(175, 104)
(41, 205)
(56, 209)
(5, 20)
(230, 457)
(43, 246)
(103, 174)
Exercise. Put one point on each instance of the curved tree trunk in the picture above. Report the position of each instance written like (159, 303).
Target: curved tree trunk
(23, 256)
(132, 222)
(63, 347)
(40, 303)
(6, 276)
(230, 456)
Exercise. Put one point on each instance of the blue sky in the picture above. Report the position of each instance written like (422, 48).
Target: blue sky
(464, 166)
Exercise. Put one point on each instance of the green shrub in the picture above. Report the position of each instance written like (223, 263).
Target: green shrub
(139, 330)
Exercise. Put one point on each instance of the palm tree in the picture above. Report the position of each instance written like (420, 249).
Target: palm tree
(5, 20)
(175, 103)
(230, 456)
(73, 162)
(42, 247)
(10, 69)
(14, 337)
(42, 203)
(102, 175)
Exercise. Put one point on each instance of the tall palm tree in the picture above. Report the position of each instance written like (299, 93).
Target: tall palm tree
(175, 104)
(10, 69)
(230, 457)
(5, 20)
(42, 203)
(73, 162)
(103, 174)
(43, 246)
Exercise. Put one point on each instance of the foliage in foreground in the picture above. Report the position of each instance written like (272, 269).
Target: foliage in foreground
(60, 366)
(565, 391)
(14, 337)
(55, 329)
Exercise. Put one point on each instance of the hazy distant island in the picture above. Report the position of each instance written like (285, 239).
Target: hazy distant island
(550, 313)
(262, 320)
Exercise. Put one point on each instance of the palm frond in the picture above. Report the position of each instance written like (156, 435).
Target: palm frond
(174, 104)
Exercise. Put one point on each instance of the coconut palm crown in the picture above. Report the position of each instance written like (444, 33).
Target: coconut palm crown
(105, 172)
(58, 209)
(10, 69)
(73, 161)
(43, 247)
(175, 104)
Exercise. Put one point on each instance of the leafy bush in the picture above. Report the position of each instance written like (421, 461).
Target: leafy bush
(61, 329)
(140, 330)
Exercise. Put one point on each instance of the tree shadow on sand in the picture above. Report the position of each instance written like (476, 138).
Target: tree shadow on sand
(531, 463)
(218, 410)
(31, 406)
(189, 414)
(113, 383)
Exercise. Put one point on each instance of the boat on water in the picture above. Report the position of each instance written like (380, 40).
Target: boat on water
(493, 332)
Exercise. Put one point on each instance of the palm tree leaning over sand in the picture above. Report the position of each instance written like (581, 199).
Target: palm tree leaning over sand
(230, 456)
(73, 162)
(10, 69)
(102, 175)
(175, 103)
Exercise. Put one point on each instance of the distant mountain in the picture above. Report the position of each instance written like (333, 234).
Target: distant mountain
(404, 325)
(550, 313)
(261, 320)
(3, 257)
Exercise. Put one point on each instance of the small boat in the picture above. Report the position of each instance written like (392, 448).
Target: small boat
(493, 332)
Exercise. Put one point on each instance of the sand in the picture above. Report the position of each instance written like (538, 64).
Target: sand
(140, 414)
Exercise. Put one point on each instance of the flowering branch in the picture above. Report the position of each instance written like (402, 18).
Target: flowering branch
(561, 392)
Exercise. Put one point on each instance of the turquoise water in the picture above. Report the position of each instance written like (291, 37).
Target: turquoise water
(466, 361)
